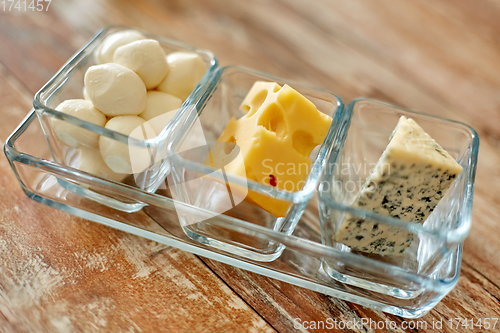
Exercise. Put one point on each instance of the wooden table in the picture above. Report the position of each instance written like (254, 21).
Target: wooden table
(59, 273)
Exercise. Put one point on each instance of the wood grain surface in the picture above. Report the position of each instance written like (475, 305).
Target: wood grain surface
(60, 273)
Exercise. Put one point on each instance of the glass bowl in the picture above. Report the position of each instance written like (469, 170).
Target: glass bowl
(67, 83)
(435, 240)
(196, 183)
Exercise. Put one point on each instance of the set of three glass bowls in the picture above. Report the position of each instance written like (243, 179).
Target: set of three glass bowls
(182, 202)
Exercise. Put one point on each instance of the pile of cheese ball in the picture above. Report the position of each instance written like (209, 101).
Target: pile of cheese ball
(133, 83)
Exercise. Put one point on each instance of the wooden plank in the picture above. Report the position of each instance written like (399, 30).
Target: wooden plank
(35, 46)
(439, 57)
(16, 102)
(289, 308)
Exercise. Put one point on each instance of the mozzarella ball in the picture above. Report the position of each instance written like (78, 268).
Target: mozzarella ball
(186, 70)
(105, 52)
(146, 58)
(73, 135)
(121, 157)
(85, 94)
(90, 160)
(115, 90)
(159, 104)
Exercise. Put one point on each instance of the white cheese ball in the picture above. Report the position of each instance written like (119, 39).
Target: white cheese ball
(105, 52)
(160, 108)
(115, 90)
(73, 135)
(90, 160)
(146, 58)
(186, 70)
(85, 94)
(120, 157)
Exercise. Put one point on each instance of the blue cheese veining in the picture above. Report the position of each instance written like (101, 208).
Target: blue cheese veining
(408, 181)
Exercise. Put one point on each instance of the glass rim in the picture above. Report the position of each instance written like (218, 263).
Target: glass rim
(310, 185)
(465, 217)
(64, 73)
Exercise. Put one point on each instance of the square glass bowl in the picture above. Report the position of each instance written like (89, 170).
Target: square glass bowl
(217, 193)
(68, 84)
(434, 241)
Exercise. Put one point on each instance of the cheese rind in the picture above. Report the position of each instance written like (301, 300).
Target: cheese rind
(275, 137)
(407, 183)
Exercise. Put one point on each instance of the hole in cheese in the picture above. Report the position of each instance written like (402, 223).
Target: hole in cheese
(250, 174)
(256, 102)
(229, 145)
(272, 119)
(245, 108)
(303, 142)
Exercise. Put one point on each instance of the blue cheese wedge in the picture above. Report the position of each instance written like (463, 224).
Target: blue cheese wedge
(407, 183)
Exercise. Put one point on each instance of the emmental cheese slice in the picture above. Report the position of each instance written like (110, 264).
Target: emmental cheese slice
(276, 136)
(410, 178)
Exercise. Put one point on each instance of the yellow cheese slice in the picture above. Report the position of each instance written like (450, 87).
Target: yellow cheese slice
(276, 136)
